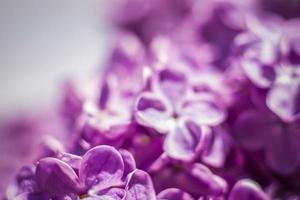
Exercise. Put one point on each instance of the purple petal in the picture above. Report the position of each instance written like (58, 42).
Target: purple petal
(102, 167)
(72, 160)
(129, 162)
(173, 194)
(198, 179)
(139, 186)
(247, 190)
(291, 44)
(172, 84)
(218, 150)
(283, 99)
(56, 177)
(186, 140)
(282, 151)
(111, 194)
(261, 75)
(152, 111)
(252, 128)
(204, 111)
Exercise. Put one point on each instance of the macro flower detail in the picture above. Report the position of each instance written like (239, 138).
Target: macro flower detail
(169, 109)
(197, 100)
(99, 174)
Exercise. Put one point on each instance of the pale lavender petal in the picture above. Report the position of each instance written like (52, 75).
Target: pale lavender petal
(111, 194)
(172, 84)
(186, 140)
(152, 111)
(204, 111)
(261, 75)
(139, 186)
(218, 149)
(173, 194)
(56, 177)
(101, 167)
(283, 99)
(247, 190)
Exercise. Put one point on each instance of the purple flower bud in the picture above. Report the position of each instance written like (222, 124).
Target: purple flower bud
(246, 190)
(173, 194)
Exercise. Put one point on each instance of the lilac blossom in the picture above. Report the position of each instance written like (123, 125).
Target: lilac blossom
(197, 100)
(99, 172)
(169, 110)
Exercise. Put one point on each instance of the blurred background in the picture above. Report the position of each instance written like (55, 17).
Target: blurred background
(42, 43)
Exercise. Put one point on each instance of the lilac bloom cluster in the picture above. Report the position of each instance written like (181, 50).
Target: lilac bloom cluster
(198, 100)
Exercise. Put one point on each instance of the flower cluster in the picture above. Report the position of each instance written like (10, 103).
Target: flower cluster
(198, 100)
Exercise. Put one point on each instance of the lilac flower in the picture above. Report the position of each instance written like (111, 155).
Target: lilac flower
(266, 57)
(198, 100)
(257, 130)
(101, 172)
(169, 110)
(193, 178)
(100, 110)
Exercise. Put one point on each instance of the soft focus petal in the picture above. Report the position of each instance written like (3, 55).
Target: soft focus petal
(25, 180)
(186, 140)
(172, 84)
(282, 150)
(56, 177)
(204, 111)
(139, 186)
(218, 149)
(247, 190)
(152, 111)
(129, 162)
(252, 128)
(283, 99)
(32, 196)
(72, 160)
(198, 179)
(102, 167)
(261, 75)
(173, 194)
(111, 194)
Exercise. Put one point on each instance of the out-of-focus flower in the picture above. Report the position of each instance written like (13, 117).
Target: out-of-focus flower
(261, 130)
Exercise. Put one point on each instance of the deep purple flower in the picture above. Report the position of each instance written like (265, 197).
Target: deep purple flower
(198, 100)
(257, 130)
(101, 172)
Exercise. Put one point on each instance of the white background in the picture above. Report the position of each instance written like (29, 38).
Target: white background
(44, 41)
